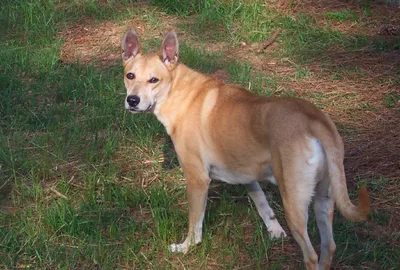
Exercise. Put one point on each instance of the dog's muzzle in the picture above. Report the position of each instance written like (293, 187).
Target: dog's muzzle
(132, 102)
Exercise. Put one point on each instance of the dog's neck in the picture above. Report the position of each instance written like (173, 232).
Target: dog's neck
(180, 95)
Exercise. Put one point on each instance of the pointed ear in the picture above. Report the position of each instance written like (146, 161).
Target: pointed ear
(130, 45)
(169, 49)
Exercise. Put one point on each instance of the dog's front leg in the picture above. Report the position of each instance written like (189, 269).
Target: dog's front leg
(197, 182)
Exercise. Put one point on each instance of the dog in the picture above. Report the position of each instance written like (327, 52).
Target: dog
(224, 132)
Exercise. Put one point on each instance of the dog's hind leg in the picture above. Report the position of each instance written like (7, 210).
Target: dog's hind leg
(323, 208)
(264, 210)
(197, 182)
(296, 173)
(296, 212)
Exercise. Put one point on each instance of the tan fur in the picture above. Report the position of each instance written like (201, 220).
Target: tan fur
(228, 132)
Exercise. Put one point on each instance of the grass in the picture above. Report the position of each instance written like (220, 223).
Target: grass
(342, 15)
(391, 100)
(82, 184)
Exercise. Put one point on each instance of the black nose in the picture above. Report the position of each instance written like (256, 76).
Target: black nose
(133, 100)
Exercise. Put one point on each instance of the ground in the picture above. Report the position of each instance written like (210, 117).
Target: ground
(83, 184)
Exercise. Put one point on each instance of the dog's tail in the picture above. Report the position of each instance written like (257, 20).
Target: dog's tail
(335, 154)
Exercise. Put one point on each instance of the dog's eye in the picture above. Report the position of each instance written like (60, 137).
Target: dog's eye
(130, 76)
(153, 80)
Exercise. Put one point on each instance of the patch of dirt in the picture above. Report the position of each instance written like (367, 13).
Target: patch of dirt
(376, 151)
(377, 13)
(88, 42)
(366, 63)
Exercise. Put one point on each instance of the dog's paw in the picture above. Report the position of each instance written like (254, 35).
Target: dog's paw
(179, 248)
(275, 230)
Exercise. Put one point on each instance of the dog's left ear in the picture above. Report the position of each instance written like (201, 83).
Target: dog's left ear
(169, 49)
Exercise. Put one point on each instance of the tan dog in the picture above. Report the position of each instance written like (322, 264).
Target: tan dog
(227, 133)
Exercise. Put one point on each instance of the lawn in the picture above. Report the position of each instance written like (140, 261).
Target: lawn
(86, 185)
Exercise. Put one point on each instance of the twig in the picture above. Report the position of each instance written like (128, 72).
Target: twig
(70, 180)
(5, 183)
(59, 194)
(271, 39)
(126, 178)
(182, 263)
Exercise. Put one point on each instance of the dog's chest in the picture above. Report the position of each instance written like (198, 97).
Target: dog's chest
(244, 176)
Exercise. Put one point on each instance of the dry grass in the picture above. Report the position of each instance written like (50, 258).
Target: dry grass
(92, 42)
(376, 150)
(378, 13)
(88, 42)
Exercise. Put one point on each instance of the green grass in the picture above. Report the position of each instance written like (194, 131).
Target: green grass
(342, 15)
(81, 185)
(391, 100)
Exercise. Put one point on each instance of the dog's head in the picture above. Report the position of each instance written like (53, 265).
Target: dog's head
(147, 76)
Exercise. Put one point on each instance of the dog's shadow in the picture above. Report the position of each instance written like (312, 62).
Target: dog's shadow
(170, 157)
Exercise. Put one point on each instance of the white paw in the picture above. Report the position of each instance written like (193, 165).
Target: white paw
(275, 230)
(179, 248)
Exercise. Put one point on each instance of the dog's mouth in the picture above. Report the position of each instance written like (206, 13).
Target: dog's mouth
(148, 109)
